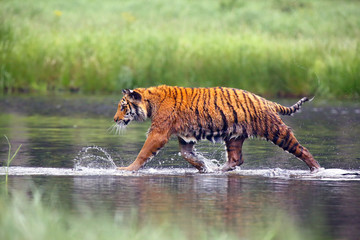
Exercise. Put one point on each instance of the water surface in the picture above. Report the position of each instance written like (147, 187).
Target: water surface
(55, 130)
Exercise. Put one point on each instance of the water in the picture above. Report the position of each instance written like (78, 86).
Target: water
(67, 149)
(93, 158)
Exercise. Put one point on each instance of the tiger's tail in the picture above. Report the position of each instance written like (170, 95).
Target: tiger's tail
(293, 109)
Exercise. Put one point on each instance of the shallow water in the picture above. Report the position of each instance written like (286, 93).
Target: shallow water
(55, 132)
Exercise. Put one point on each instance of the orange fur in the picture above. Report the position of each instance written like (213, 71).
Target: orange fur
(192, 114)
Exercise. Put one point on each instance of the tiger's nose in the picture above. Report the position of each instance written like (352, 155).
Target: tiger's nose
(116, 119)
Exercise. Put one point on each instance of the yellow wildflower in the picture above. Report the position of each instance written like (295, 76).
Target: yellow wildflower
(128, 17)
(58, 13)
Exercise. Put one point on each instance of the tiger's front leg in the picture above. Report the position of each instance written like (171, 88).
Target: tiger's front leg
(154, 142)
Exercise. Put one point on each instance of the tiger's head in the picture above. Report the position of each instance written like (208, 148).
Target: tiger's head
(131, 107)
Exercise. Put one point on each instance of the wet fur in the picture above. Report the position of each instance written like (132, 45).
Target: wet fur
(227, 114)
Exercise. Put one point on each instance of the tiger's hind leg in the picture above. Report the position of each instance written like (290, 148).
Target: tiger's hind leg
(282, 136)
(187, 152)
(234, 153)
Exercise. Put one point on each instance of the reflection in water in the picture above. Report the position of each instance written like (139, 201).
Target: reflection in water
(232, 202)
(54, 130)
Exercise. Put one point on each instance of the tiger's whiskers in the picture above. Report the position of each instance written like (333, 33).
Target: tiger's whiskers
(117, 128)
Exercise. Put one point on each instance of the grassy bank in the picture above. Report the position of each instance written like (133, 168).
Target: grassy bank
(27, 218)
(272, 47)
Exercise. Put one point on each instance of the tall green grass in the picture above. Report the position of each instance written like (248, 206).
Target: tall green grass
(27, 218)
(274, 47)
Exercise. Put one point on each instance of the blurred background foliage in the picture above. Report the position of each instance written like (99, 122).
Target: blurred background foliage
(271, 47)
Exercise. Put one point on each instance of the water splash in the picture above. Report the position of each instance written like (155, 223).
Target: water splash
(93, 157)
(211, 165)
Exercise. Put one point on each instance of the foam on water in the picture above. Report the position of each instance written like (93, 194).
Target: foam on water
(323, 175)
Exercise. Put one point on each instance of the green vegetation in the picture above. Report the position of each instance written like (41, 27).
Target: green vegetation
(9, 159)
(31, 218)
(271, 47)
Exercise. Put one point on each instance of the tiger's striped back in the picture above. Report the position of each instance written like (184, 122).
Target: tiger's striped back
(214, 113)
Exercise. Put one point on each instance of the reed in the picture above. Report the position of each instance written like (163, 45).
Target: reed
(274, 48)
(9, 159)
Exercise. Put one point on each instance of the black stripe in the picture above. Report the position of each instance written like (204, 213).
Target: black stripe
(204, 100)
(246, 110)
(266, 119)
(198, 117)
(175, 97)
(281, 144)
(210, 122)
(264, 102)
(258, 113)
(202, 92)
(198, 99)
(244, 132)
(198, 136)
(236, 98)
(292, 149)
(231, 106)
(286, 139)
(237, 104)
(181, 95)
(253, 119)
(149, 109)
(301, 152)
(170, 114)
(229, 103)
(165, 96)
(170, 92)
(266, 127)
(136, 107)
(221, 97)
(276, 134)
(192, 99)
(284, 110)
(225, 124)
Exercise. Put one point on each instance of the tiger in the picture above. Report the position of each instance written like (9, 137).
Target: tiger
(217, 114)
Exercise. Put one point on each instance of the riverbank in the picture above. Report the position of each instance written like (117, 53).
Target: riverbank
(273, 48)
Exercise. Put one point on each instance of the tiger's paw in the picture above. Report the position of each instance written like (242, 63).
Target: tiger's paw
(131, 167)
(124, 169)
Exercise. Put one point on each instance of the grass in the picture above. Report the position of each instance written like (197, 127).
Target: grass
(27, 218)
(274, 48)
(9, 159)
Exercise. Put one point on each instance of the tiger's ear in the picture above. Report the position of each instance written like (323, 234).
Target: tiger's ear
(125, 91)
(132, 94)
